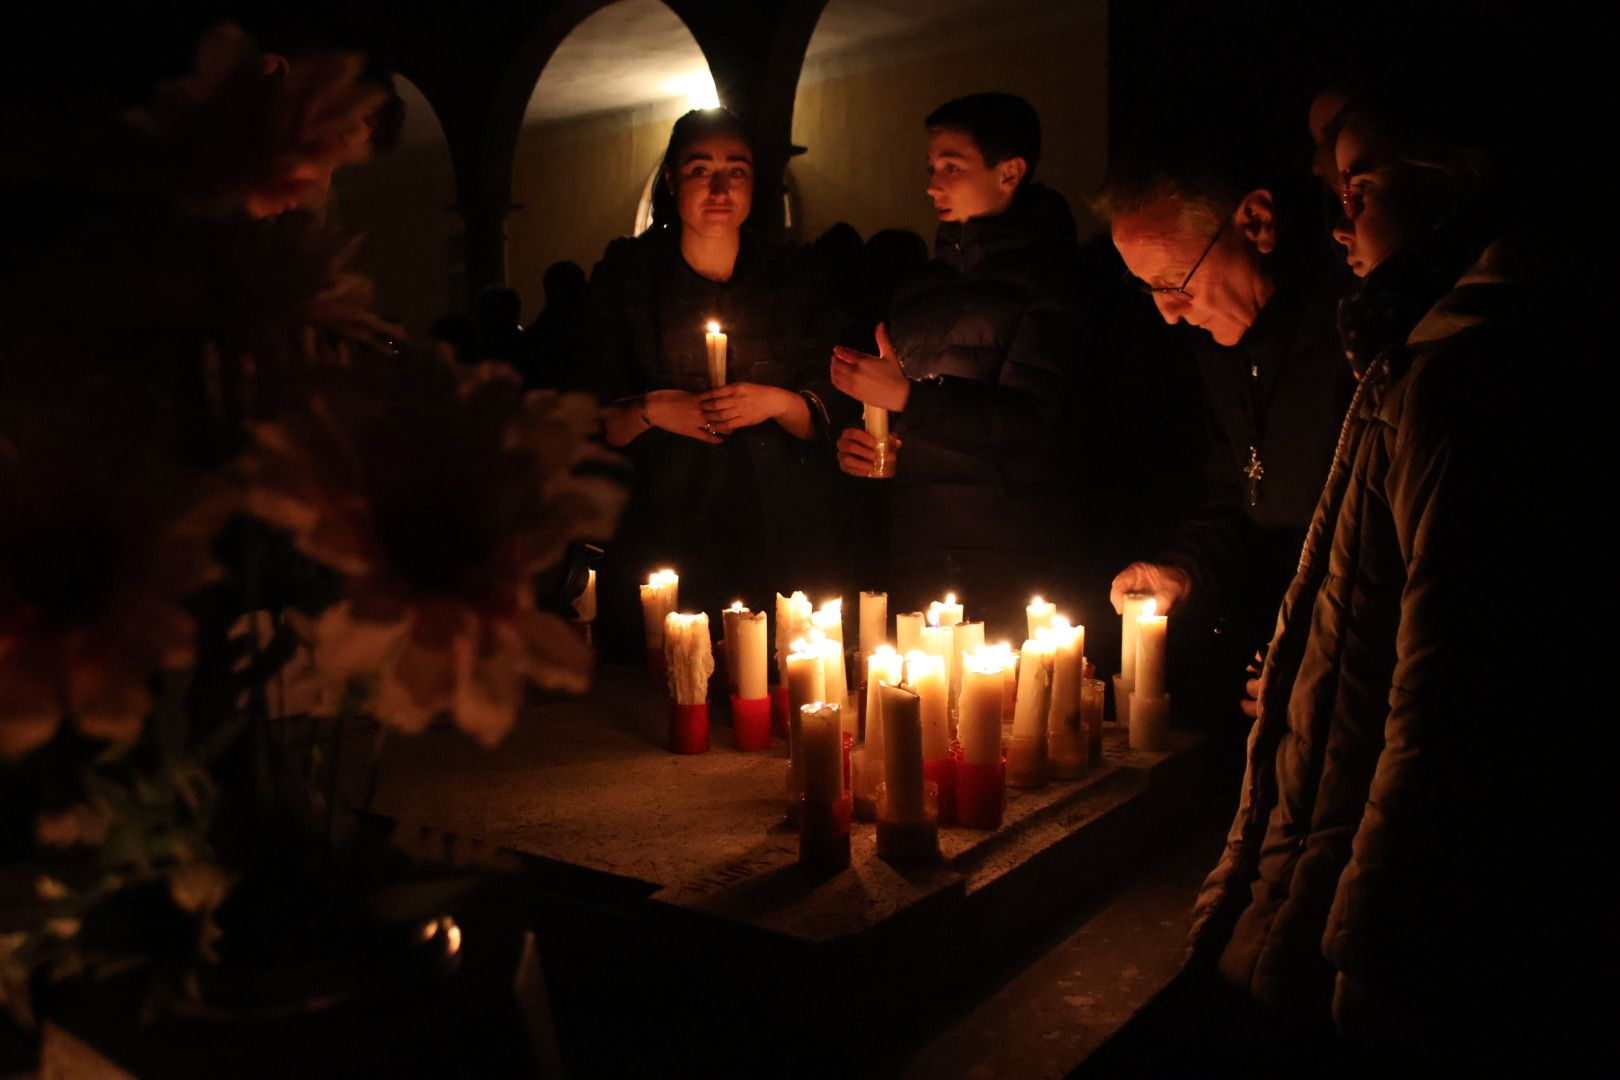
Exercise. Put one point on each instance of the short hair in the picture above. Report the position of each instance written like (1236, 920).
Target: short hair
(702, 124)
(1209, 174)
(1002, 126)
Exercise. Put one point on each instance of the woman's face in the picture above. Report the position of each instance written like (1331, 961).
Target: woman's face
(714, 185)
(1387, 202)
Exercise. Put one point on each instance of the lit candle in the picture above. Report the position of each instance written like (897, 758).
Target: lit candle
(1150, 641)
(925, 675)
(874, 621)
(806, 675)
(908, 630)
(1065, 738)
(829, 619)
(585, 602)
(966, 638)
(936, 641)
(877, 422)
(1002, 655)
(752, 681)
(792, 623)
(1040, 614)
(945, 612)
(821, 746)
(728, 627)
(903, 754)
(688, 658)
(883, 666)
(979, 730)
(716, 343)
(1034, 689)
(659, 597)
(1134, 605)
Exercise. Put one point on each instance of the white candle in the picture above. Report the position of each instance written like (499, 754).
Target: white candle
(806, 675)
(1002, 655)
(688, 657)
(883, 666)
(877, 422)
(792, 623)
(1150, 641)
(966, 639)
(1067, 660)
(1134, 604)
(936, 641)
(1034, 689)
(925, 675)
(903, 754)
(908, 630)
(715, 341)
(1040, 614)
(945, 612)
(659, 597)
(752, 681)
(585, 602)
(821, 746)
(829, 619)
(874, 621)
(979, 730)
(728, 630)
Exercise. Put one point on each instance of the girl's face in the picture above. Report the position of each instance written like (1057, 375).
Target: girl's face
(1388, 203)
(714, 185)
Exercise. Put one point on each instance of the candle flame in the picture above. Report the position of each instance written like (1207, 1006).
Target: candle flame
(1150, 609)
(736, 605)
(663, 577)
(833, 606)
(950, 598)
(1036, 602)
(714, 327)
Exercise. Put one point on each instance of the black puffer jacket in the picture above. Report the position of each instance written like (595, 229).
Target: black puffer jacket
(751, 515)
(1390, 853)
(988, 332)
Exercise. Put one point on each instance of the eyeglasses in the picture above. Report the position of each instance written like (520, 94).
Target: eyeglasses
(1152, 290)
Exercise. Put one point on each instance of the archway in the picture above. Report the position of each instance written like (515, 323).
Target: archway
(595, 128)
(402, 201)
(874, 69)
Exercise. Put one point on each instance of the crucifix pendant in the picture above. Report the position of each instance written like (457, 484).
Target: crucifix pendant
(1255, 470)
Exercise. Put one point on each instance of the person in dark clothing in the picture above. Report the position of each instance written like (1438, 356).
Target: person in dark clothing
(556, 332)
(1402, 865)
(839, 252)
(977, 368)
(1248, 267)
(498, 331)
(731, 484)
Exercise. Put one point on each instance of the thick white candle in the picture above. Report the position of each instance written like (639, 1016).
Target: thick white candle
(1034, 689)
(1150, 641)
(877, 421)
(1134, 605)
(1067, 661)
(752, 681)
(979, 729)
(908, 630)
(715, 342)
(687, 657)
(806, 675)
(821, 746)
(874, 621)
(1002, 655)
(829, 619)
(966, 639)
(945, 612)
(925, 675)
(1040, 614)
(903, 754)
(936, 641)
(792, 623)
(659, 597)
(883, 666)
(728, 630)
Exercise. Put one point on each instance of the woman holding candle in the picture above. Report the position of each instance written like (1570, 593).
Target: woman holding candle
(727, 477)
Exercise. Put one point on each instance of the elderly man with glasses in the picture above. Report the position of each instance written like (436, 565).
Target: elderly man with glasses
(1233, 256)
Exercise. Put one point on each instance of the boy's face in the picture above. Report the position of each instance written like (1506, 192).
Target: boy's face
(961, 184)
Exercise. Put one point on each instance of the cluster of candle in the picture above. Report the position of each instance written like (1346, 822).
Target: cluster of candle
(945, 720)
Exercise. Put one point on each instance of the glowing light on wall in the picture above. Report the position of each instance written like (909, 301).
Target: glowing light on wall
(696, 86)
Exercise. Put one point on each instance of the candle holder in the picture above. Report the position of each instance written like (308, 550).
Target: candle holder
(883, 462)
(1091, 718)
(941, 772)
(908, 841)
(1122, 699)
(1026, 761)
(1150, 722)
(981, 792)
(779, 711)
(824, 833)
(751, 723)
(689, 728)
